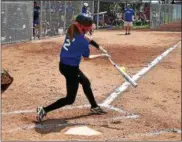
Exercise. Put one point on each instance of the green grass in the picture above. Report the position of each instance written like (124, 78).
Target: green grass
(141, 26)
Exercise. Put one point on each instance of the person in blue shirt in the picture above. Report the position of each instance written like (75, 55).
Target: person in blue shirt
(84, 8)
(75, 46)
(86, 12)
(128, 19)
(36, 18)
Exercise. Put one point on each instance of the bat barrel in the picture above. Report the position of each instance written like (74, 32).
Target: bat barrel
(124, 74)
(129, 79)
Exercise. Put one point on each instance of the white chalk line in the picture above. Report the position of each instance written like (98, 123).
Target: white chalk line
(31, 126)
(137, 76)
(173, 130)
(64, 108)
(119, 110)
(34, 111)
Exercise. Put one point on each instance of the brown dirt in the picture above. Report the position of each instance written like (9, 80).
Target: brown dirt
(37, 81)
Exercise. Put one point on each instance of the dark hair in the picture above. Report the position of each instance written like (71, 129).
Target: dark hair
(72, 30)
(84, 20)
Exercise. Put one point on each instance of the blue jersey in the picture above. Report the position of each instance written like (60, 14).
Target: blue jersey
(84, 10)
(128, 14)
(72, 51)
(36, 12)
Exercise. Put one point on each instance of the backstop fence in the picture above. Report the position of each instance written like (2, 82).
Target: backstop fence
(16, 21)
(56, 16)
(161, 14)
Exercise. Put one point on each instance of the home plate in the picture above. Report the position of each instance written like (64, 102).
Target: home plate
(82, 130)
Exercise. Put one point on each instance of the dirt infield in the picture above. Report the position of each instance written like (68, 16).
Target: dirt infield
(156, 101)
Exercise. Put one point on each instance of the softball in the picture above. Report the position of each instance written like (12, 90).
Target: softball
(123, 69)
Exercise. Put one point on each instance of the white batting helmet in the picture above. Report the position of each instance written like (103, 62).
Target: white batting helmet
(128, 5)
(85, 4)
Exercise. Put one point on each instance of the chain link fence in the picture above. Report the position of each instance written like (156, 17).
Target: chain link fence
(16, 21)
(110, 14)
(56, 16)
(161, 14)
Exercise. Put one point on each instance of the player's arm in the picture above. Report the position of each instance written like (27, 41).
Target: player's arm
(96, 56)
(86, 55)
(133, 16)
(95, 44)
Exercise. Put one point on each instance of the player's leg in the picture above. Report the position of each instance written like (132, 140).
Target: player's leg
(72, 82)
(89, 94)
(130, 27)
(126, 27)
(33, 30)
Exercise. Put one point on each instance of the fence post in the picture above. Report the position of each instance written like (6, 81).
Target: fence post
(93, 9)
(98, 9)
(41, 9)
(64, 27)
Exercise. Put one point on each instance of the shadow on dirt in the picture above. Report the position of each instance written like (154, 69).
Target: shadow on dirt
(56, 125)
(51, 126)
(122, 34)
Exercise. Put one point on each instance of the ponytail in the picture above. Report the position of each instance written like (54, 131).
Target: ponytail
(72, 30)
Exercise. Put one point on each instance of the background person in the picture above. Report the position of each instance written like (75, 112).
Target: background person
(36, 19)
(128, 18)
(85, 10)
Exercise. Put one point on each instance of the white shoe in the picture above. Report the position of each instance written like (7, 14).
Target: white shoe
(40, 113)
(97, 110)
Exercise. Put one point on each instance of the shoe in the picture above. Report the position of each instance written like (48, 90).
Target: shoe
(40, 114)
(126, 33)
(129, 33)
(97, 110)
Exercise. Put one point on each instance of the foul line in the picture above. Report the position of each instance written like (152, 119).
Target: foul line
(33, 110)
(174, 130)
(137, 76)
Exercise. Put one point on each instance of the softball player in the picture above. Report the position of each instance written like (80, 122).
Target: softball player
(75, 46)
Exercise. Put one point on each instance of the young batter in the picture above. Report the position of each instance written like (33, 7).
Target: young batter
(75, 46)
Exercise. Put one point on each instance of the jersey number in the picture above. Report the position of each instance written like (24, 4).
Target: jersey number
(67, 44)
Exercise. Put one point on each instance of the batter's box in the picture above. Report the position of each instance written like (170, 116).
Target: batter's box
(82, 115)
(62, 118)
